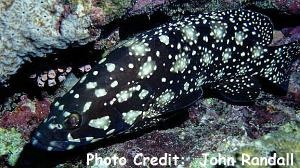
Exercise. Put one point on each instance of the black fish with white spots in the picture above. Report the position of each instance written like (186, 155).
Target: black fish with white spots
(147, 77)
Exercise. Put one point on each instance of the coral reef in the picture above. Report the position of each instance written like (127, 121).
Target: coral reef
(112, 9)
(288, 6)
(33, 28)
(26, 33)
(36, 27)
(51, 78)
(141, 6)
(26, 116)
(293, 33)
(282, 142)
(55, 77)
(11, 145)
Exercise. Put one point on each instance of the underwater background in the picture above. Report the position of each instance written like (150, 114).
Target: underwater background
(47, 45)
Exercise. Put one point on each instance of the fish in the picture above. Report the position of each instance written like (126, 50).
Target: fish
(152, 75)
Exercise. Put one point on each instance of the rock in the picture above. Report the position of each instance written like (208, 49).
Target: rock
(11, 145)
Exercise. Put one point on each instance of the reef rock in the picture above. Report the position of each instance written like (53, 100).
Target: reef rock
(32, 28)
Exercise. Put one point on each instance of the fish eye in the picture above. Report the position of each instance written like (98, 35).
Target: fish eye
(73, 121)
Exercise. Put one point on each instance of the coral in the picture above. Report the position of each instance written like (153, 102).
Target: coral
(115, 8)
(26, 116)
(51, 77)
(143, 5)
(293, 6)
(293, 33)
(294, 87)
(288, 6)
(33, 28)
(285, 140)
(11, 144)
(109, 42)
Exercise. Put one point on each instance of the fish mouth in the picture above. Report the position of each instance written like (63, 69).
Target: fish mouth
(52, 142)
(42, 142)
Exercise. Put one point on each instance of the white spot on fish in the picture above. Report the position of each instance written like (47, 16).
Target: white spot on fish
(102, 60)
(257, 51)
(56, 104)
(218, 30)
(131, 116)
(89, 138)
(61, 107)
(226, 55)
(112, 101)
(95, 73)
(157, 53)
(189, 34)
(100, 123)
(186, 86)
(114, 84)
(124, 95)
(199, 82)
(130, 65)
(207, 57)
(147, 69)
(76, 96)
(110, 131)
(71, 139)
(180, 64)
(53, 126)
(91, 85)
(70, 147)
(240, 37)
(194, 52)
(139, 49)
(164, 39)
(110, 67)
(87, 106)
(100, 92)
(165, 98)
(82, 79)
(66, 114)
(143, 94)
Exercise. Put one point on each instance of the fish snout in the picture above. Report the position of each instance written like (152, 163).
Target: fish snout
(48, 139)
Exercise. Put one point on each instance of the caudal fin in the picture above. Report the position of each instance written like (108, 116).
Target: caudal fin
(275, 72)
(294, 50)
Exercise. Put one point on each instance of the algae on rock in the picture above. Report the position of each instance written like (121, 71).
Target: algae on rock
(11, 144)
(284, 141)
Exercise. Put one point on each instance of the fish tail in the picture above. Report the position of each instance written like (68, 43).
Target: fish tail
(275, 71)
(294, 50)
(289, 52)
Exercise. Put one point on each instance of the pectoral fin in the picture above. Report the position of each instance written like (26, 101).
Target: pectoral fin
(242, 90)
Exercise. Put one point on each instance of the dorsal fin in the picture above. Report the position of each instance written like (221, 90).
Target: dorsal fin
(256, 26)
